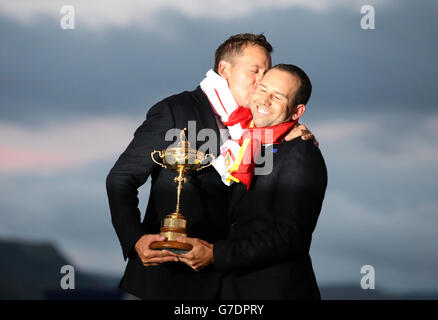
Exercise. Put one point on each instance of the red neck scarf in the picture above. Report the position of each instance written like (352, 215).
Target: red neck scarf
(251, 141)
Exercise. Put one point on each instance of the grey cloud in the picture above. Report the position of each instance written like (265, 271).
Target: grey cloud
(49, 73)
(399, 246)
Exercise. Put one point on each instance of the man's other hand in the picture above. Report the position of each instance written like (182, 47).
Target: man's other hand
(201, 254)
(151, 257)
(301, 130)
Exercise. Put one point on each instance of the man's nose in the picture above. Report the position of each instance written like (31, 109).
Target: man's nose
(266, 99)
(259, 77)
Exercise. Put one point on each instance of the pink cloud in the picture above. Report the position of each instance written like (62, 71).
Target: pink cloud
(16, 160)
(62, 145)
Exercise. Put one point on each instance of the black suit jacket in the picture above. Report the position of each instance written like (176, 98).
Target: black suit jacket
(267, 252)
(204, 201)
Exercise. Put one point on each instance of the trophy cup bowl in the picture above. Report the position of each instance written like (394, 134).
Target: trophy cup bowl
(181, 159)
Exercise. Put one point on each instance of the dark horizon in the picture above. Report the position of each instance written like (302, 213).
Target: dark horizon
(42, 282)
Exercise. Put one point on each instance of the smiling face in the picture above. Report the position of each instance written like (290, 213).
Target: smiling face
(273, 99)
(244, 71)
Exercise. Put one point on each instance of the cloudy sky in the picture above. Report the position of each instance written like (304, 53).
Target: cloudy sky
(70, 101)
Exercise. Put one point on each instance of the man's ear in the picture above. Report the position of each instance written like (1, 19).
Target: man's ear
(298, 112)
(224, 69)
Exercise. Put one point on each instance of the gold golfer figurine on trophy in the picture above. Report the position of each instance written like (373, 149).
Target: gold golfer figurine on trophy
(181, 159)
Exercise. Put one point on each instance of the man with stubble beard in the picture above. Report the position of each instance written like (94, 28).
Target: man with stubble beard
(273, 215)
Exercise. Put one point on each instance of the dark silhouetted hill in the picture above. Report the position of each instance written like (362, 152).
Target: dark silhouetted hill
(355, 292)
(32, 271)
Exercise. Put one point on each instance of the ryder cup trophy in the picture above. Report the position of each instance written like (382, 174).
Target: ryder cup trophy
(181, 159)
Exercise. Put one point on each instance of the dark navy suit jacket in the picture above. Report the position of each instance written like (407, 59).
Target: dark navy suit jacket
(204, 201)
(267, 252)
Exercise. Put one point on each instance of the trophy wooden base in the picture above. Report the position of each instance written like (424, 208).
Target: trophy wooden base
(173, 246)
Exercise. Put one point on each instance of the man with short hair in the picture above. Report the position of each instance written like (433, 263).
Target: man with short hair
(273, 217)
(152, 274)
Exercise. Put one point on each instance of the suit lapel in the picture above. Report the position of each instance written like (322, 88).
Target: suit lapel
(238, 190)
(205, 114)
